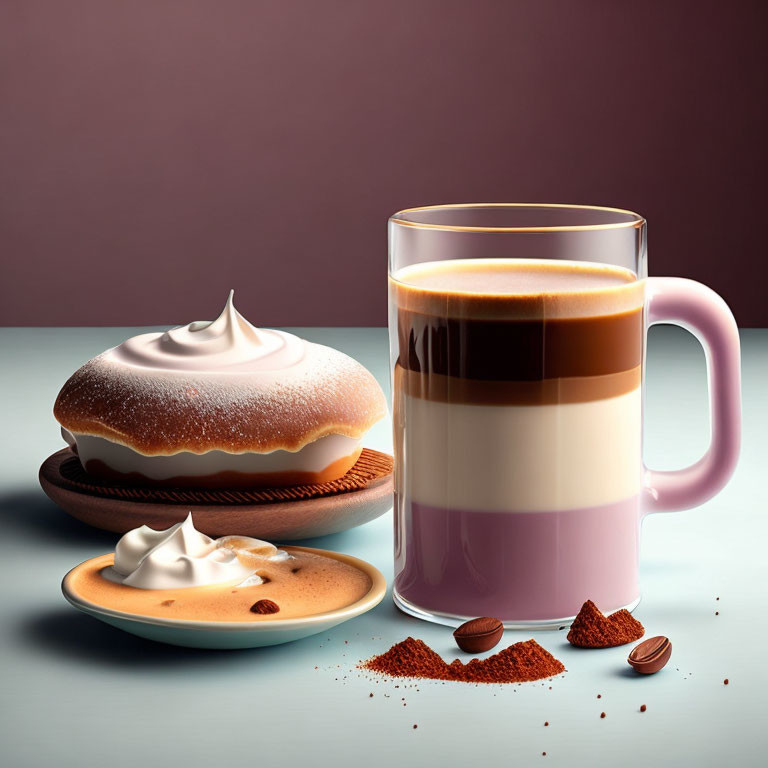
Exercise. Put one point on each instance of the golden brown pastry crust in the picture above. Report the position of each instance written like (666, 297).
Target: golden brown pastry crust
(157, 412)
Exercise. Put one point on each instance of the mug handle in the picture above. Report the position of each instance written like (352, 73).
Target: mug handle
(701, 311)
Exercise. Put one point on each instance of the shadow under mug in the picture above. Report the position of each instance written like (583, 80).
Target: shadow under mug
(519, 482)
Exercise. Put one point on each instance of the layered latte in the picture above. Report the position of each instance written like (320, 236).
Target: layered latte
(517, 409)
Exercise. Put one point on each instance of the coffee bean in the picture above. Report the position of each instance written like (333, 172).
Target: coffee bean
(265, 606)
(651, 655)
(479, 635)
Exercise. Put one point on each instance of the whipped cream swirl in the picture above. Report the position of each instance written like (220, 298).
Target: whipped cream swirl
(228, 344)
(182, 556)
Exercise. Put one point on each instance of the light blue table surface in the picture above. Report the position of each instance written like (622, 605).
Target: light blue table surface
(78, 693)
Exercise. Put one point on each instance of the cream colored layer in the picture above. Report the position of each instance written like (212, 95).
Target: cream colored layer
(525, 458)
(314, 457)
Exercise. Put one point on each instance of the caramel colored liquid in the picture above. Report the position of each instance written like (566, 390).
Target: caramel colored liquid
(304, 585)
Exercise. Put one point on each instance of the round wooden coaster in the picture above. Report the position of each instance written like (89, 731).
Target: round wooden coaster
(281, 514)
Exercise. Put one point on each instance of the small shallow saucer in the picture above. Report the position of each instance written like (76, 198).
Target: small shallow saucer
(232, 634)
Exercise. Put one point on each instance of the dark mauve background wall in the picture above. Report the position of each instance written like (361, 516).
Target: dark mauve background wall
(154, 153)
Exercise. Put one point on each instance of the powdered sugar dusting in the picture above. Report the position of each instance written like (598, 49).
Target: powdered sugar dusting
(162, 412)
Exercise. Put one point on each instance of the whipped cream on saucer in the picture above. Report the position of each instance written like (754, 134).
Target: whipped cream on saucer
(228, 344)
(182, 556)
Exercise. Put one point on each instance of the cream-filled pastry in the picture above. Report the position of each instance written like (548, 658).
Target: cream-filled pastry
(219, 404)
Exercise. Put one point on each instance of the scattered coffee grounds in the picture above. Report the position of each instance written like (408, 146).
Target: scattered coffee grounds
(643, 707)
(591, 629)
(370, 695)
(599, 695)
(546, 722)
(725, 682)
(717, 613)
(265, 606)
(521, 662)
(602, 715)
(410, 658)
(415, 726)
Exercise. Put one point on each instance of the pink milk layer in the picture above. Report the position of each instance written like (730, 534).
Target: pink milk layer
(519, 566)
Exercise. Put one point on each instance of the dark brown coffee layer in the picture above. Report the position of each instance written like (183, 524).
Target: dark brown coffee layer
(577, 389)
(520, 350)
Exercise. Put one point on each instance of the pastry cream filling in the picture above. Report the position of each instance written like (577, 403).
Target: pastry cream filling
(312, 458)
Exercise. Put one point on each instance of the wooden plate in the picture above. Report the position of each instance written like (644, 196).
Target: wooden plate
(280, 514)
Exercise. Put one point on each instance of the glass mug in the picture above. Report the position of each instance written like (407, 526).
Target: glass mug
(517, 338)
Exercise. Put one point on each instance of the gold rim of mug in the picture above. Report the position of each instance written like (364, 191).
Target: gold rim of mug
(636, 222)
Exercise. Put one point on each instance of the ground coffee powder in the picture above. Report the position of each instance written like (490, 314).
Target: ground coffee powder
(590, 629)
(520, 662)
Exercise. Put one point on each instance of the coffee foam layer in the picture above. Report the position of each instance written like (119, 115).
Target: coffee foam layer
(519, 458)
(516, 289)
(307, 584)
